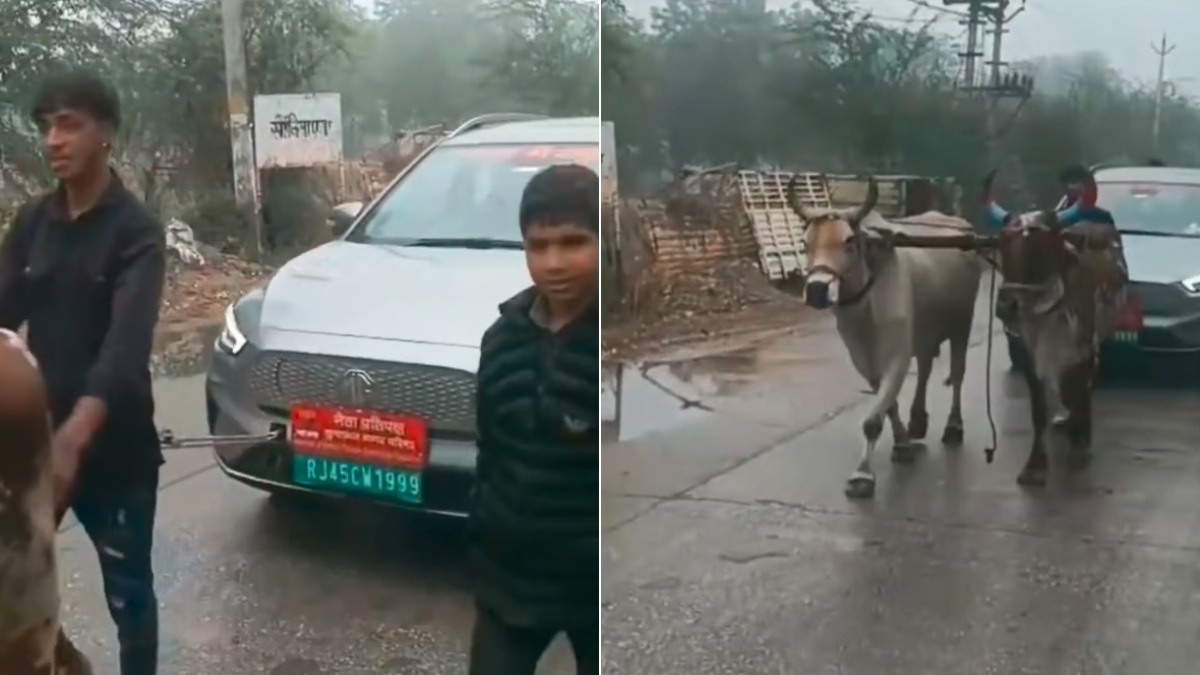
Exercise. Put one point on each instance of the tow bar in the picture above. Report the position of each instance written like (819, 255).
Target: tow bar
(168, 440)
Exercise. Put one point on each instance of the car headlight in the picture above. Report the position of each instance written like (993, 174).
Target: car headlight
(231, 340)
(1191, 285)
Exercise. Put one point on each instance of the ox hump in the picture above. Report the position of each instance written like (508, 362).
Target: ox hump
(24, 416)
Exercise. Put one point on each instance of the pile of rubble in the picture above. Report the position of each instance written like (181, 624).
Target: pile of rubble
(201, 282)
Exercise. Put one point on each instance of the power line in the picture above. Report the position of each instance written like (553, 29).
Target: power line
(925, 4)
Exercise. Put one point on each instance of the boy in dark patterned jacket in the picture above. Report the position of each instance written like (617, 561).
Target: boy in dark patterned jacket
(535, 517)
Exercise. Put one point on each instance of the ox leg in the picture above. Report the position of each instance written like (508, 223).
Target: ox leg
(953, 434)
(918, 416)
(904, 449)
(1034, 472)
(861, 484)
(1077, 395)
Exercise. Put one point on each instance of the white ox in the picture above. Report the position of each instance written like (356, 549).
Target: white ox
(892, 304)
(31, 640)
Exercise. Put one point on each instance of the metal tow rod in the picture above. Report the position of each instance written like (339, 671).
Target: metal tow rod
(167, 439)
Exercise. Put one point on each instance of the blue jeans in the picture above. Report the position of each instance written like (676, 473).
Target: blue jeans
(120, 523)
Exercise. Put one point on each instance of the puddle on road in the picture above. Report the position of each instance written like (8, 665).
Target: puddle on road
(642, 398)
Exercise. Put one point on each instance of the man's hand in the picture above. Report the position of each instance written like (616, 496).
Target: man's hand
(70, 444)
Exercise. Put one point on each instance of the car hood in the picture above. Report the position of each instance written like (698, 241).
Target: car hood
(1161, 260)
(429, 295)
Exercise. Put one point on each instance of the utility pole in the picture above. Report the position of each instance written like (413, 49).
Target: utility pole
(1162, 50)
(999, 87)
(241, 136)
(973, 23)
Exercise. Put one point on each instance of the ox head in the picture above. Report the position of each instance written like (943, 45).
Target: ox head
(24, 419)
(835, 247)
(1032, 249)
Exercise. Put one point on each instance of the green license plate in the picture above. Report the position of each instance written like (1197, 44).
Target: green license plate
(1124, 337)
(383, 482)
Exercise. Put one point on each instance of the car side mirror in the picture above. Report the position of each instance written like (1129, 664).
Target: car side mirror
(343, 216)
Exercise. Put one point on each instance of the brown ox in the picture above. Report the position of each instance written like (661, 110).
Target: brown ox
(31, 642)
(1063, 278)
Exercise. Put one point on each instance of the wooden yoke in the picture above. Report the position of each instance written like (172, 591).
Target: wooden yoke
(962, 242)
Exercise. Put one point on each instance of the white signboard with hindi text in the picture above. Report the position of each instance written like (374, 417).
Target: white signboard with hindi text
(296, 130)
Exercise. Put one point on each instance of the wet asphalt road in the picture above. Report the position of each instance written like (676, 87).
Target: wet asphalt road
(249, 587)
(730, 548)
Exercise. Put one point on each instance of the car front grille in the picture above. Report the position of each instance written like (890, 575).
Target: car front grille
(444, 397)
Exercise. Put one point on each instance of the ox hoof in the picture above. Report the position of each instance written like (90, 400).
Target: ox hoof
(918, 426)
(952, 436)
(1032, 477)
(860, 486)
(906, 453)
(1079, 458)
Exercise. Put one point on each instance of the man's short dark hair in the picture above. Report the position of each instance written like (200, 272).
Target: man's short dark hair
(1075, 173)
(80, 90)
(562, 194)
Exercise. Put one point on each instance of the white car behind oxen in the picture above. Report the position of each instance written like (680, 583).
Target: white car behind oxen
(892, 304)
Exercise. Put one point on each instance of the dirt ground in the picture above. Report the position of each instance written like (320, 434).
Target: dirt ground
(196, 297)
(731, 301)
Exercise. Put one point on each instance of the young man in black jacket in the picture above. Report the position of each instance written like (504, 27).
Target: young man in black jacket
(83, 269)
(535, 517)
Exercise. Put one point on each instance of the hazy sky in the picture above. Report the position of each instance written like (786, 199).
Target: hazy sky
(1122, 29)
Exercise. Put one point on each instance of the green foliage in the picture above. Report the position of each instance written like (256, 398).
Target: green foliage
(827, 86)
(410, 64)
(547, 54)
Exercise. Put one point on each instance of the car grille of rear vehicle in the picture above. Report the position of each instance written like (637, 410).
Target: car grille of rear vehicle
(445, 397)
(1163, 299)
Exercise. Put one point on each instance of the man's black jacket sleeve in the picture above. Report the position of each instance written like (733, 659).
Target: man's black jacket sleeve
(12, 275)
(137, 292)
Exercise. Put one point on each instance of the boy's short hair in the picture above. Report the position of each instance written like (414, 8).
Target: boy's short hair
(80, 90)
(561, 194)
(1075, 173)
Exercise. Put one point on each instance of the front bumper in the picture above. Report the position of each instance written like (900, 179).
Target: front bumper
(447, 480)
(1170, 325)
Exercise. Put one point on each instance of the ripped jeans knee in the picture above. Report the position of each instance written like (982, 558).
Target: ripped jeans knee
(121, 528)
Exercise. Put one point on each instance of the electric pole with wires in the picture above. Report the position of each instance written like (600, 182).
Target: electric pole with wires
(1000, 88)
(1163, 50)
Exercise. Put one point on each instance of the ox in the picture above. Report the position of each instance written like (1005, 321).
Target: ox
(1064, 278)
(31, 640)
(892, 304)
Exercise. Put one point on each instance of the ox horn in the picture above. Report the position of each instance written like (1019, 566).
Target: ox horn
(794, 201)
(994, 214)
(1072, 214)
(855, 215)
(1056, 220)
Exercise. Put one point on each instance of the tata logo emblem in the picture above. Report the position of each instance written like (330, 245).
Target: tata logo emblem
(357, 387)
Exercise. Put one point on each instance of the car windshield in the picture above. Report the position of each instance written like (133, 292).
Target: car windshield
(466, 195)
(1171, 209)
